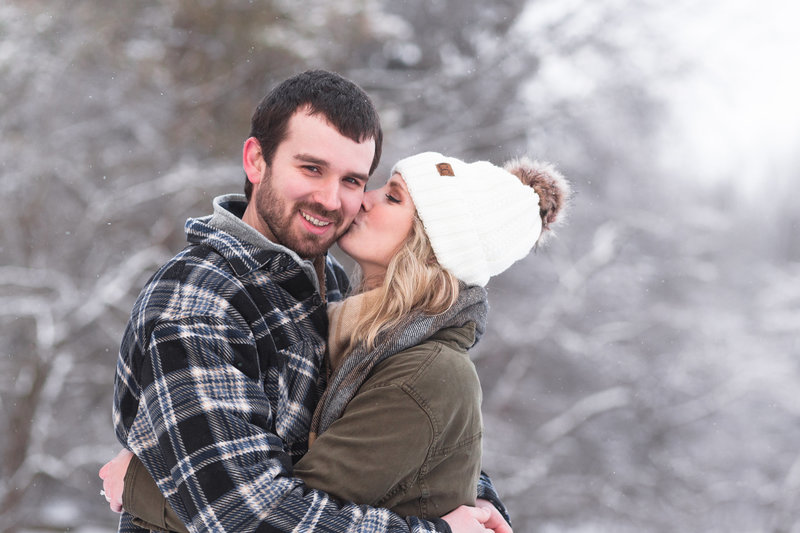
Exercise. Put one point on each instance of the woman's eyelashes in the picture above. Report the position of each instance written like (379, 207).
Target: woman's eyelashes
(392, 199)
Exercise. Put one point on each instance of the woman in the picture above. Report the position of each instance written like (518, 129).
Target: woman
(402, 406)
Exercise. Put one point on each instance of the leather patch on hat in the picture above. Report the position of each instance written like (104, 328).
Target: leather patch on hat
(445, 169)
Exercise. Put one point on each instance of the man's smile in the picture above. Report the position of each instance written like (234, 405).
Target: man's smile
(315, 221)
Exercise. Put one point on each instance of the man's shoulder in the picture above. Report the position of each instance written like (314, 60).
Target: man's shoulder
(198, 281)
(197, 263)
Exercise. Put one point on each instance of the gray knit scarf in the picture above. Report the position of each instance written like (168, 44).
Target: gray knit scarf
(471, 306)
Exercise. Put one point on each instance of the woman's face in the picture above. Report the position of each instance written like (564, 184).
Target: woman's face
(379, 229)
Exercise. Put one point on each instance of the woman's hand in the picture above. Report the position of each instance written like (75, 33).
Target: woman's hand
(113, 476)
(496, 521)
(479, 519)
(467, 519)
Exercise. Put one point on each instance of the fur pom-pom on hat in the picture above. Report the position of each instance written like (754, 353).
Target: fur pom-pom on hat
(552, 187)
(481, 218)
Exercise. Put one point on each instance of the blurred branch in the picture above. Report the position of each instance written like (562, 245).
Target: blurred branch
(116, 285)
(38, 279)
(784, 517)
(583, 411)
(40, 310)
(192, 176)
(604, 249)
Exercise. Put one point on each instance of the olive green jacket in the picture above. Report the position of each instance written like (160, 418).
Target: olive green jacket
(410, 440)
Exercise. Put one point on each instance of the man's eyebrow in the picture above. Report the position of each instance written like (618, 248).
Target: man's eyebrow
(359, 176)
(308, 158)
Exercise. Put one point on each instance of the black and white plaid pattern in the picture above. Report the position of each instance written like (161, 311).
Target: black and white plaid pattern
(217, 378)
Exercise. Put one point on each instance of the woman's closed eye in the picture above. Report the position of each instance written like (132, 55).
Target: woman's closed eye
(392, 199)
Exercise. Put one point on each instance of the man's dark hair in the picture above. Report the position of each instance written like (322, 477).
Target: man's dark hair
(343, 103)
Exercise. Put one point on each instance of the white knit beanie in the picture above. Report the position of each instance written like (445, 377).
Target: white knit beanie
(479, 218)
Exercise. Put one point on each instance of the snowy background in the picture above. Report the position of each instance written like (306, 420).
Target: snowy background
(640, 373)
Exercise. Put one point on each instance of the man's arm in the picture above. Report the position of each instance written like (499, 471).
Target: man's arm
(203, 430)
(487, 492)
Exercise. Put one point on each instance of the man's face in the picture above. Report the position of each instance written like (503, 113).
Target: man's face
(313, 189)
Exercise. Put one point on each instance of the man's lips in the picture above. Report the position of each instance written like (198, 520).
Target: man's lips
(315, 224)
(314, 220)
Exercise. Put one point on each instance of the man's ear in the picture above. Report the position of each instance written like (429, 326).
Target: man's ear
(253, 160)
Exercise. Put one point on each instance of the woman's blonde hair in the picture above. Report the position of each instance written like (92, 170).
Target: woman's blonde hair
(415, 281)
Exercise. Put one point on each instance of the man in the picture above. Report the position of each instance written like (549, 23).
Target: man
(219, 369)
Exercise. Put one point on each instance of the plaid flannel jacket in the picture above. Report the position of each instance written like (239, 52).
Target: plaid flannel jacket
(217, 378)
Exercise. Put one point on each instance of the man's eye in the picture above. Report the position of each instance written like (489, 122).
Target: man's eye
(312, 168)
(392, 199)
(352, 180)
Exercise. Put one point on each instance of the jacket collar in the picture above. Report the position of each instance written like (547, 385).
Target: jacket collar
(242, 245)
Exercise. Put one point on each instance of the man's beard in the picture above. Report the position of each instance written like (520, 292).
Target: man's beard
(272, 209)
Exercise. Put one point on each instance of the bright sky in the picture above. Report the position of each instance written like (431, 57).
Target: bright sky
(739, 111)
(728, 69)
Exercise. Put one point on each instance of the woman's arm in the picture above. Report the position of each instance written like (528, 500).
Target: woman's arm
(129, 486)
(383, 435)
(142, 499)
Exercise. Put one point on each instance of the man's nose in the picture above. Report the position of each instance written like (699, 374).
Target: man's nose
(328, 195)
